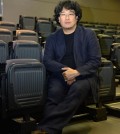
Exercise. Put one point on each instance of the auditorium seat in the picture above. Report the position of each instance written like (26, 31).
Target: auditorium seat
(6, 35)
(27, 22)
(26, 35)
(22, 94)
(44, 28)
(118, 32)
(8, 25)
(111, 27)
(96, 30)
(22, 49)
(105, 45)
(116, 38)
(100, 27)
(88, 25)
(110, 32)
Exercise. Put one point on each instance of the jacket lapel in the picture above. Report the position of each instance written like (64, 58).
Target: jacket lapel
(61, 43)
(78, 46)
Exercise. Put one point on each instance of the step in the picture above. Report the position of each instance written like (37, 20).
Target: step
(113, 108)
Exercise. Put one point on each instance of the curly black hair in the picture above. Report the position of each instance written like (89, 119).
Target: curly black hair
(68, 4)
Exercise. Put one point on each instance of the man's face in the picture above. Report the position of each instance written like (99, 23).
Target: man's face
(67, 19)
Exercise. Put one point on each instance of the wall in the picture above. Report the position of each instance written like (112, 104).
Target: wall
(107, 11)
(93, 10)
(13, 8)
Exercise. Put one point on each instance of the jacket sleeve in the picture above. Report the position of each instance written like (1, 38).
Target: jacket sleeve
(92, 55)
(49, 58)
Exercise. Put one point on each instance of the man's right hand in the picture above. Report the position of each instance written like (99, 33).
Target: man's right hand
(70, 82)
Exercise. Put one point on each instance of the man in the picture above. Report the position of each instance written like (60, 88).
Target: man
(72, 57)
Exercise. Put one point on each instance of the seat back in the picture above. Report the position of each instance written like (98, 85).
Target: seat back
(110, 32)
(105, 44)
(44, 28)
(111, 27)
(6, 35)
(23, 87)
(116, 55)
(88, 25)
(26, 35)
(25, 49)
(96, 30)
(8, 25)
(118, 32)
(116, 38)
(107, 80)
(27, 22)
(100, 27)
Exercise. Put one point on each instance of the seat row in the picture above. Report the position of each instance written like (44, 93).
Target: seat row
(100, 25)
(110, 32)
(7, 36)
(42, 27)
(19, 49)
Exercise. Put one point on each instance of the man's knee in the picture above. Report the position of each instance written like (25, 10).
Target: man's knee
(80, 87)
(56, 93)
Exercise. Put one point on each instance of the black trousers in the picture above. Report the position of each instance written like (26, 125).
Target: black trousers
(62, 103)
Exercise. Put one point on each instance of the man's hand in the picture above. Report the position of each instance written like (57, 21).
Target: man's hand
(70, 74)
(69, 82)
